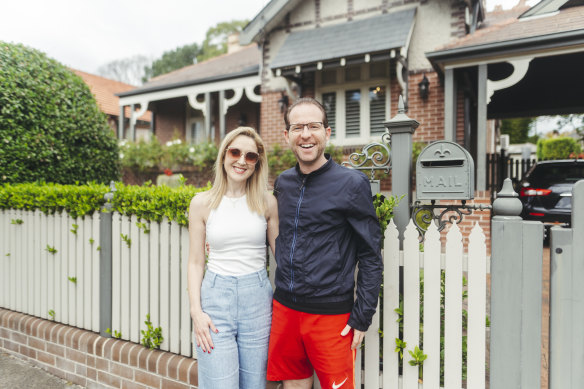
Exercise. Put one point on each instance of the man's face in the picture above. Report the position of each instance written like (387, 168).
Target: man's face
(308, 145)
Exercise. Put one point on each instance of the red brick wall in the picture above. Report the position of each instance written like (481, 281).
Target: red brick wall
(271, 119)
(483, 218)
(87, 359)
(170, 117)
(251, 111)
(428, 112)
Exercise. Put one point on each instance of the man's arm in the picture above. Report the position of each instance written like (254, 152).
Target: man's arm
(365, 224)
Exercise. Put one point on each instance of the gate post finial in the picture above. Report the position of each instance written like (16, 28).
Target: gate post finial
(507, 202)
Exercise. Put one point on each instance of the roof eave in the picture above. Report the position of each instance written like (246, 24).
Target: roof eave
(248, 72)
(542, 42)
(265, 20)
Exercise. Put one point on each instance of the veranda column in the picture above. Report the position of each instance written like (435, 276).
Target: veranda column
(121, 123)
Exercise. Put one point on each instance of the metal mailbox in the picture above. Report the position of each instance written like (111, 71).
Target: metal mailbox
(444, 171)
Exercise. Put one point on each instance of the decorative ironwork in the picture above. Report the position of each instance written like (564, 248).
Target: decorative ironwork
(375, 156)
(451, 213)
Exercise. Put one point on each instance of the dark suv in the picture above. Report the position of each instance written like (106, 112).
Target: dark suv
(546, 191)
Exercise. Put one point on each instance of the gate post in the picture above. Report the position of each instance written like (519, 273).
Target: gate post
(105, 264)
(401, 128)
(516, 287)
(567, 298)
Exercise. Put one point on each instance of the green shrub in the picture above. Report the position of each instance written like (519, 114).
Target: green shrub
(557, 148)
(51, 128)
(175, 155)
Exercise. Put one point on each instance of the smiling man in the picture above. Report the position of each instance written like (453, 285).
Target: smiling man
(327, 226)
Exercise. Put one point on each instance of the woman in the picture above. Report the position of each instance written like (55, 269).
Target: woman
(231, 306)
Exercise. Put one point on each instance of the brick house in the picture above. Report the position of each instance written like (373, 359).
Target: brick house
(105, 91)
(199, 102)
(358, 56)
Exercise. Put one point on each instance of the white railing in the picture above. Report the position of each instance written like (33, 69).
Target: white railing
(149, 277)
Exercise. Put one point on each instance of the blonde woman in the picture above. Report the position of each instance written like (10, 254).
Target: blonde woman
(231, 300)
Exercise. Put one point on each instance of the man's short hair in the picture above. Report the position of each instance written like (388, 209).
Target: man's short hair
(306, 100)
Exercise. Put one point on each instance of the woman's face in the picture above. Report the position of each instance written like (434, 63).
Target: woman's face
(239, 169)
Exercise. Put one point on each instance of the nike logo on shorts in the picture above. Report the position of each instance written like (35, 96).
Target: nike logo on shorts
(335, 386)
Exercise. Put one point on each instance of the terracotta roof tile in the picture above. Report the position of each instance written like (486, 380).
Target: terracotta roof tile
(512, 28)
(105, 91)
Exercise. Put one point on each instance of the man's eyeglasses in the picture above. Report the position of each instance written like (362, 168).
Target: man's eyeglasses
(299, 127)
(250, 157)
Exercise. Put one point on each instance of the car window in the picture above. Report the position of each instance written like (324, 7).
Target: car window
(548, 174)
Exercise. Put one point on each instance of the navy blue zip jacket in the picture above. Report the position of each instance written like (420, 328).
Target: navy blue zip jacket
(328, 225)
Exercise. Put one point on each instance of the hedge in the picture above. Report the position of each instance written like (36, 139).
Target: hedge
(557, 148)
(51, 128)
(148, 203)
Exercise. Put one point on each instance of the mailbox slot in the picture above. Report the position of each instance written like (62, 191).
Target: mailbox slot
(440, 163)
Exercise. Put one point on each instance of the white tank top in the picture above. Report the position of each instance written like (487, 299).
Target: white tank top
(237, 238)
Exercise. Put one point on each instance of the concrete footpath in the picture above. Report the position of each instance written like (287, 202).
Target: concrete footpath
(16, 373)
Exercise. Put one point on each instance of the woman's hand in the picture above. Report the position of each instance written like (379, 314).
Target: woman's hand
(202, 322)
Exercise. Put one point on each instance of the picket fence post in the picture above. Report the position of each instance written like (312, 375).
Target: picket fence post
(516, 287)
(105, 265)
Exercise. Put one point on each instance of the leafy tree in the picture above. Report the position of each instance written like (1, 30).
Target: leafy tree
(51, 128)
(215, 42)
(172, 60)
(572, 121)
(128, 70)
(518, 130)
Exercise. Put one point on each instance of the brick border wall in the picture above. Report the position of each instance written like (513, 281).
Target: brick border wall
(89, 360)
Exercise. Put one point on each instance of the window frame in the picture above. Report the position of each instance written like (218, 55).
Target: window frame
(341, 86)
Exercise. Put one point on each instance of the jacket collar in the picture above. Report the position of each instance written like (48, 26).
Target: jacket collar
(328, 164)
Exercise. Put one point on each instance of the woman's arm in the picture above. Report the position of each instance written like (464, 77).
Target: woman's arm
(272, 219)
(198, 213)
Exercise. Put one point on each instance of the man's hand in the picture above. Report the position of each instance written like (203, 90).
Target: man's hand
(357, 336)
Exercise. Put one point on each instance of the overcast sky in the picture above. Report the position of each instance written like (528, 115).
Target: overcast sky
(88, 34)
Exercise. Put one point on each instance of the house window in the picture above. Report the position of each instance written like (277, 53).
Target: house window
(377, 109)
(329, 101)
(356, 109)
(352, 113)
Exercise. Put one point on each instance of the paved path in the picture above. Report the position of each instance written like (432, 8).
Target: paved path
(16, 373)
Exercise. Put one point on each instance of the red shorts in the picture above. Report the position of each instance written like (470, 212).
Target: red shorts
(301, 343)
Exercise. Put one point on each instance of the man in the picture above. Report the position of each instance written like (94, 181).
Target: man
(327, 225)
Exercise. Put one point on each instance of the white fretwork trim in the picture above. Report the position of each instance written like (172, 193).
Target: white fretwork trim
(249, 81)
(136, 114)
(251, 94)
(520, 67)
(202, 106)
(237, 93)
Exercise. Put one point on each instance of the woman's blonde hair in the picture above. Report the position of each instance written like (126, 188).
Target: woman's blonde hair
(256, 184)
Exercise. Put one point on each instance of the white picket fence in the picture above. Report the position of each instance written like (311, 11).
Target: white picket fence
(149, 277)
(38, 255)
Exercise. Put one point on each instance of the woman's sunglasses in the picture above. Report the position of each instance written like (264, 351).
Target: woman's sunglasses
(250, 156)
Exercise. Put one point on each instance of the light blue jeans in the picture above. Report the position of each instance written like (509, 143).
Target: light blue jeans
(241, 309)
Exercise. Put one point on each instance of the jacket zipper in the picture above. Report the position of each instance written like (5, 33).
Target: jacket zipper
(294, 238)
